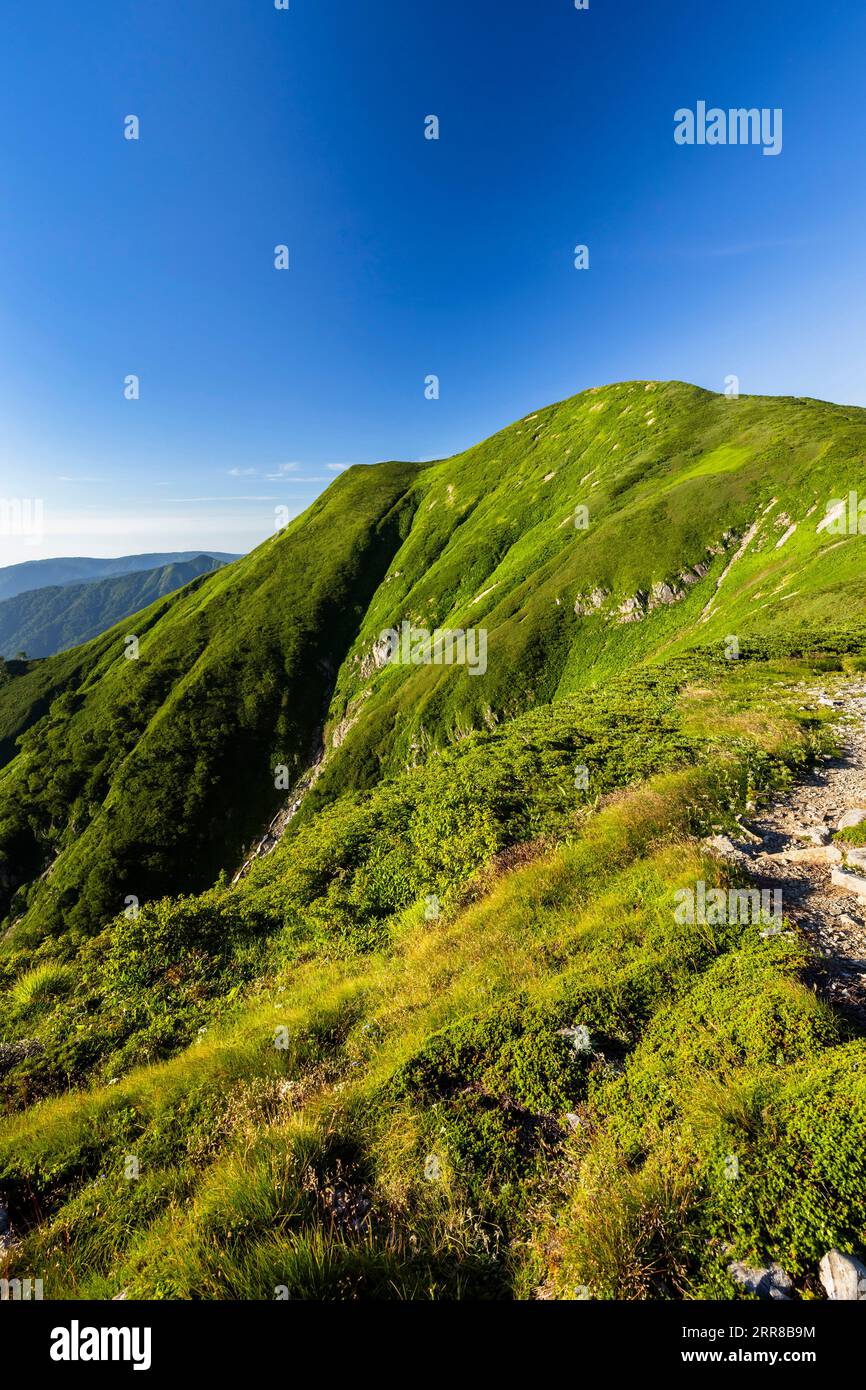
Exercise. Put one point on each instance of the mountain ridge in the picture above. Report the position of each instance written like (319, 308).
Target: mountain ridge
(666, 470)
(447, 1035)
(44, 621)
(37, 574)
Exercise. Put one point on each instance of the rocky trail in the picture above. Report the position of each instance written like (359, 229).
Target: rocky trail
(789, 846)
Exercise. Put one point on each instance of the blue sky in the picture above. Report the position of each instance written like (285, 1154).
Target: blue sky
(409, 257)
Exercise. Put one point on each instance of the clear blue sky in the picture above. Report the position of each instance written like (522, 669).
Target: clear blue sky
(408, 257)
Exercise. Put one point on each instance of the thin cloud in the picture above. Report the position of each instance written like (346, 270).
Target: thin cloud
(266, 498)
(282, 478)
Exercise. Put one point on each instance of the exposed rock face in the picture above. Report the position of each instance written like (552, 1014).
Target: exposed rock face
(843, 1276)
(376, 658)
(697, 572)
(585, 604)
(662, 593)
(768, 1281)
(632, 610)
(635, 608)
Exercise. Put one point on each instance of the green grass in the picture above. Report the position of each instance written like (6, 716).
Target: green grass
(39, 985)
(353, 1073)
(305, 1170)
(246, 672)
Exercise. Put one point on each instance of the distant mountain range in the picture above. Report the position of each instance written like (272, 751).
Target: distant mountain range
(50, 618)
(42, 574)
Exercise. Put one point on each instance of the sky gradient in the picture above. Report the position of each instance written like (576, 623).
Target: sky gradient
(409, 257)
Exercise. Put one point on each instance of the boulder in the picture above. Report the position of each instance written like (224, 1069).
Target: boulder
(856, 816)
(843, 1276)
(722, 844)
(817, 834)
(769, 1281)
(814, 854)
(848, 882)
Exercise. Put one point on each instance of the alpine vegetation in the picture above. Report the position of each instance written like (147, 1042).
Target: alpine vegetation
(329, 970)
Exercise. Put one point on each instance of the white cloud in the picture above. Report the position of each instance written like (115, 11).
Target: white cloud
(281, 478)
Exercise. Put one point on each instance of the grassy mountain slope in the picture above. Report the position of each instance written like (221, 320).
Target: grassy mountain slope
(393, 1105)
(355, 1071)
(43, 621)
(672, 477)
(237, 678)
(152, 773)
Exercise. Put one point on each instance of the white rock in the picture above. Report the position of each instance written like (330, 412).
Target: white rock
(815, 854)
(843, 1276)
(850, 818)
(722, 844)
(850, 883)
(818, 834)
(857, 857)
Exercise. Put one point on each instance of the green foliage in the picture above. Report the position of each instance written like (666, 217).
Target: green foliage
(40, 985)
(447, 1039)
(800, 1141)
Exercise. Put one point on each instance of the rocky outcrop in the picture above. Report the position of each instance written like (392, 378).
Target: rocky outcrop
(586, 604)
(662, 594)
(376, 658)
(843, 1277)
(694, 575)
(766, 1281)
(633, 609)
